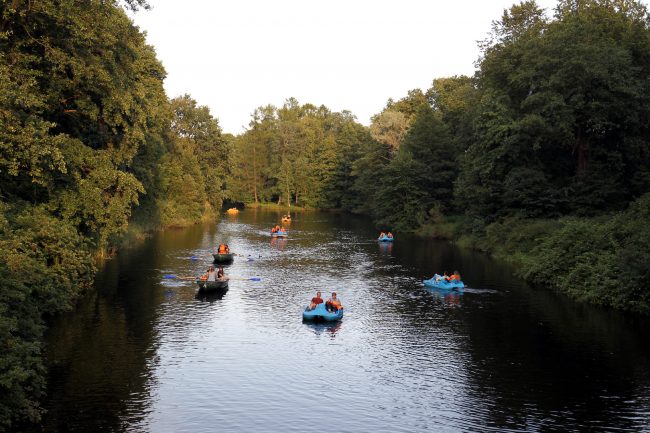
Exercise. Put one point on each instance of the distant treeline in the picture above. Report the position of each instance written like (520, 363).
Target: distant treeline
(542, 157)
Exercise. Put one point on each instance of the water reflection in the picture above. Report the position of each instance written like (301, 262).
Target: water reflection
(278, 243)
(147, 354)
(385, 247)
(211, 296)
(450, 298)
(329, 329)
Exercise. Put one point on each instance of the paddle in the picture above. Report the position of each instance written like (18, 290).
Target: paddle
(249, 258)
(176, 277)
(245, 279)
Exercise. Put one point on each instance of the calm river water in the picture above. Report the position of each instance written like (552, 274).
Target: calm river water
(146, 354)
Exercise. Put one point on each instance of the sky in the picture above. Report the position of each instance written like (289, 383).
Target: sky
(235, 56)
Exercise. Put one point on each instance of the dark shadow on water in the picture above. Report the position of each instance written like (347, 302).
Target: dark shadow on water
(211, 295)
(328, 328)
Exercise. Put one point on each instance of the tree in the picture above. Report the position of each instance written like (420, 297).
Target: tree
(562, 117)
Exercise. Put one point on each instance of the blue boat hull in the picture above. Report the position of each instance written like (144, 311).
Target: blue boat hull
(442, 284)
(385, 239)
(321, 313)
(279, 234)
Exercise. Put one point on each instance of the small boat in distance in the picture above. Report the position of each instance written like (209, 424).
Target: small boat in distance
(385, 238)
(278, 232)
(286, 218)
(439, 282)
(232, 211)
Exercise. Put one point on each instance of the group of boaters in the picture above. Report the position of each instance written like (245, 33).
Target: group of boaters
(332, 305)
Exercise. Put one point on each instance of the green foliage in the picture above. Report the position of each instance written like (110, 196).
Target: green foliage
(191, 175)
(44, 264)
(85, 130)
(296, 155)
(562, 124)
(600, 262)
(420, 177)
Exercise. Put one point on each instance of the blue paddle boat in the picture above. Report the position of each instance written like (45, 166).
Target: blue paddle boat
(384, 238)
(321, 313)
(439, 282)
(280, 234)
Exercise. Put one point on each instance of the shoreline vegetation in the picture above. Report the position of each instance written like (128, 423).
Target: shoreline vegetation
(541, 158)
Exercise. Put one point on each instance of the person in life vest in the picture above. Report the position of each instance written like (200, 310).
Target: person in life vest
(455, 276)
(222, 249)
(333, 304)
(227, 249)
(220, 274)
(389, 235)
(315, 301)
(274, 230)
(382, 234)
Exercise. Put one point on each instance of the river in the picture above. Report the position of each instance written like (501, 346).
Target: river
(144, 353)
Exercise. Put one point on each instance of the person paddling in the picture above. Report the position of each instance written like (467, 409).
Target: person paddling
(220, 275)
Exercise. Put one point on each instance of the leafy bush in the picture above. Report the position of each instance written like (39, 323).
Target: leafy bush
(44, 265)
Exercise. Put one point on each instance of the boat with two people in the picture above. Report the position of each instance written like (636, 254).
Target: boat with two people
(213, 280)
(445, 282)
(318, 310)
(279, 232)
(385, 237)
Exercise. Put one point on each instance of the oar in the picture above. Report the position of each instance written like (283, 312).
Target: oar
(249, 258)
(176, 277)
(246, 279)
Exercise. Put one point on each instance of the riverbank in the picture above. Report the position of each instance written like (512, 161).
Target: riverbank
(601, 260)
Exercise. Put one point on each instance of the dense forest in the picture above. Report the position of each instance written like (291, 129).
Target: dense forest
(542, 158)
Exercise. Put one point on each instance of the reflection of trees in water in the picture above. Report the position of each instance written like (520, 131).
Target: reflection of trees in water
(536, 359)
(100, 355)
(542, 360)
